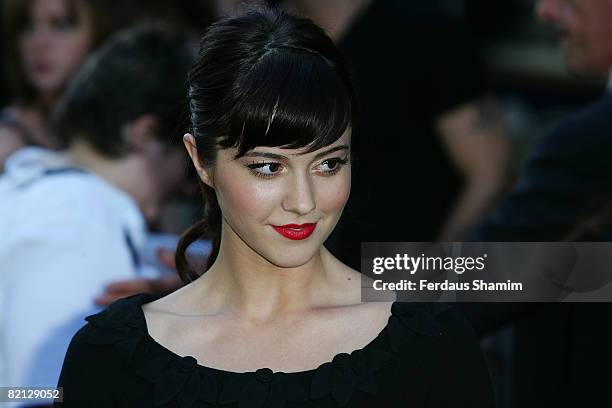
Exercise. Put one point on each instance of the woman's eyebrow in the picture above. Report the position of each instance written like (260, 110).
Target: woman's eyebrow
(275, 156)
(265, 154)
(333, 149)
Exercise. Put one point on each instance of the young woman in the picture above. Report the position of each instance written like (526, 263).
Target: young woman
(47, 42)
(276, 320)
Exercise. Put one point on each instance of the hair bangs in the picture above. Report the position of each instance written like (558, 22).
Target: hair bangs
(292, 99)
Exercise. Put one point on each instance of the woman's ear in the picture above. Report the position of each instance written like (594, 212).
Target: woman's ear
(192, 150)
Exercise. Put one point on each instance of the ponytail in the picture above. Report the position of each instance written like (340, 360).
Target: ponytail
(239, 85)
(209, 226)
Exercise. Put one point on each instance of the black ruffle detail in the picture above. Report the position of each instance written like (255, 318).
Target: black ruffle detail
(119, 324)
(345, 374)
(408, 319)
(182, 380)
(123, 325)
(262, 388)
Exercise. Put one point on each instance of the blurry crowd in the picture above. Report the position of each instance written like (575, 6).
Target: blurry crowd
(476, 122)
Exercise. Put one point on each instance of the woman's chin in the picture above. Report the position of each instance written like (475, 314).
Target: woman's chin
(293, 258)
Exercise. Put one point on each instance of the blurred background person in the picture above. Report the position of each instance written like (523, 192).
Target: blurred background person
(425, 114)
(74, 220)
(561, 355)
(46, 41)
(190, 17)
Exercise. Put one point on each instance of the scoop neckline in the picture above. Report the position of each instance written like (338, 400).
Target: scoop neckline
(147, 298)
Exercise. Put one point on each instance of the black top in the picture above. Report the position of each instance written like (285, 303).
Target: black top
(426, 356)
(411, 63)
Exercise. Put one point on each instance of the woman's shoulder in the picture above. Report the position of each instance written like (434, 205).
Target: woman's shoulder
(94, 364)
(437, 319)
(91, 345)
(121, 314)
(121, 325)
(109, 339)
(428, 329)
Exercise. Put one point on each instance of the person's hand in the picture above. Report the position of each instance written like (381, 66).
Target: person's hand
(120, 289)
(164, 285)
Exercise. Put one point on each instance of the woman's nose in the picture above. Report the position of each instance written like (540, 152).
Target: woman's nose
(40, 39)
(300, 196)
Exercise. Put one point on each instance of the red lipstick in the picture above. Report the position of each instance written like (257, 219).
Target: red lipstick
(296, 231)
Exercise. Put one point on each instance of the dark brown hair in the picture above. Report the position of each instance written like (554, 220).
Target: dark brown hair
(16, 15)
(265, 78)
(138, 71)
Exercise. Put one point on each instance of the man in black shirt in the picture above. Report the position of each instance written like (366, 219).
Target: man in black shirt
(561, 355)
(428, 153)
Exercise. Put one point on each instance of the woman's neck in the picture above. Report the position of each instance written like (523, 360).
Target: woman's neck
(242, 279)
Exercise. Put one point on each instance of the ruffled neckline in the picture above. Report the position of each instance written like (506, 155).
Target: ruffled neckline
(180, 378)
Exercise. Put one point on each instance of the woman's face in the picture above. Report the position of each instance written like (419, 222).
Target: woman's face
(54, 43)
(266, 191)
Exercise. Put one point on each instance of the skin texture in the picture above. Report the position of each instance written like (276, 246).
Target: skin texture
(53, 46)
(263, 286)
(585, 31)
(301, 191)
(253, 256)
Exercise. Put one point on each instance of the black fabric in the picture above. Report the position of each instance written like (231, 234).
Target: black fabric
(411, 63)
(562, 355)
(426, 356)
(566, 179)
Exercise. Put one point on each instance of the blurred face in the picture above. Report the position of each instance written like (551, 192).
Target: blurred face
(153, 171)
(280, 203)
(586, 32)
(162, 175)
(55, 43)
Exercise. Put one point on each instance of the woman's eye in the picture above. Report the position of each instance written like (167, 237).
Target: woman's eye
(265, 169)
(331, 166)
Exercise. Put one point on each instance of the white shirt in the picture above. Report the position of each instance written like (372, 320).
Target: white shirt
(63, 237)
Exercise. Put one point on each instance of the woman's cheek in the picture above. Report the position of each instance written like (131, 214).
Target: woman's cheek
(248, 196)
(334, 193)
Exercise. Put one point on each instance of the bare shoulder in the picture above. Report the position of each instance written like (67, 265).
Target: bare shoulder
(355, 284)
(161, 315)
(172, 303)
(352, 307)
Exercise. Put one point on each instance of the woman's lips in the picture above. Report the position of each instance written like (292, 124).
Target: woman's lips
(295, 231)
